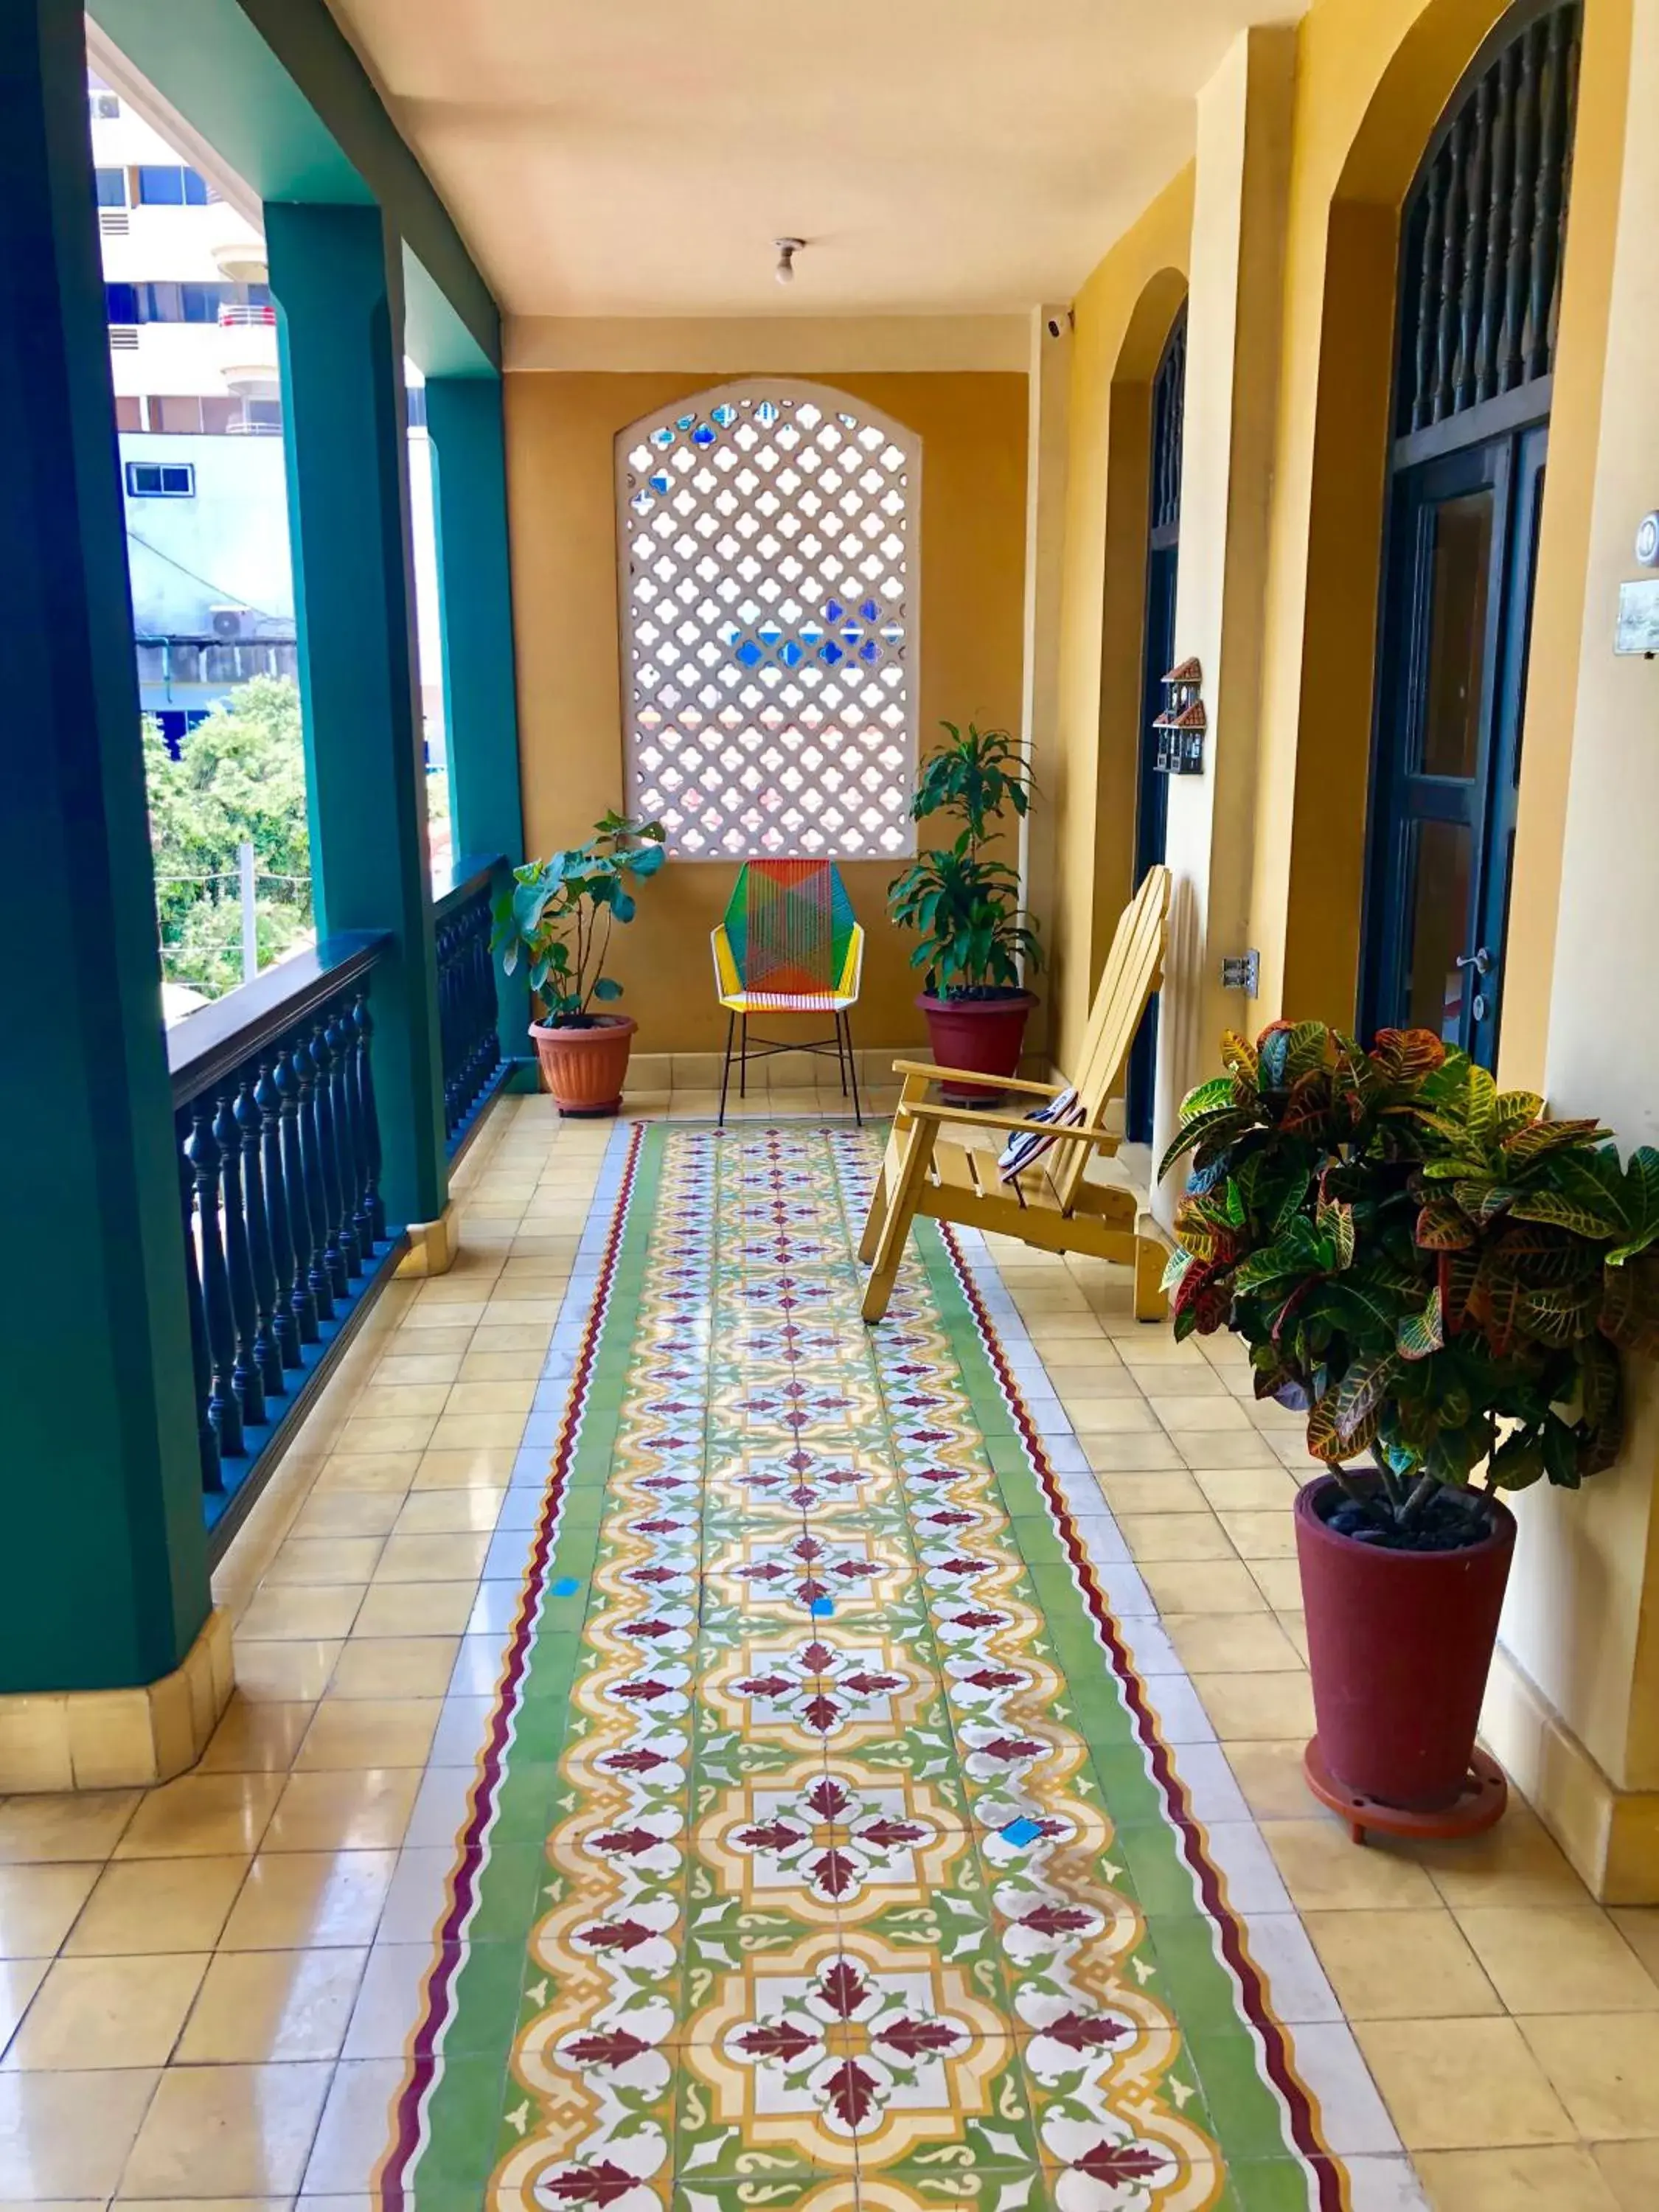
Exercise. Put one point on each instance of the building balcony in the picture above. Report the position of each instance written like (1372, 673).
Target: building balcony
(238, 250)
(248, 359)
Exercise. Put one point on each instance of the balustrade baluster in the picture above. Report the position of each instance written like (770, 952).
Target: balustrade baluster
(1474, 245)
(266, 1352)
(302, 1300)
(1433, 246)
(1453, 155)
(267, 1098)
(322, 1108)
(318, 1274)
(239, 1266)
(1546, 222)
(201, 1361)
(343, 1045)
(224, 1405)
(1497, 206)
(364, 1022)
(1518, 257)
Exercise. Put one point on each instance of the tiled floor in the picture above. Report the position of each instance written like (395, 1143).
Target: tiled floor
(209, 1990)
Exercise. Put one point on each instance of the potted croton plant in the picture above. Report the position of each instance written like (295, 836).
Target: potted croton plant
(973, 939)
(1442, 1277)
(558, 918)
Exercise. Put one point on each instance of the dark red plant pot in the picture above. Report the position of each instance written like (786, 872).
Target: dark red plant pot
(1399, 1644)
(984, 1036)
(585, 1069)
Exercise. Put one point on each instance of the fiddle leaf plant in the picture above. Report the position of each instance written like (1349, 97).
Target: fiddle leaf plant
(559, 914)
(1436, 1272)
(972, 937)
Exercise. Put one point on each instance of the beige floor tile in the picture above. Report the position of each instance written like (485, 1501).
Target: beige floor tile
(410, 1432)
(287, 1673)
(1398, 1966)
(425, 1340)
(1246, 1489)
(1630, 2171)
(39, 1904)
(1173, 1491)
(255, 1737)
(448, 1314)
(324, 1560)
(106, 2013)
(157, 1905)
(419, 1367)
(255, 2006)
(1552, 2177)
(1267, 1705)
(484, 1467)
(349, 1513)
(1203, 1449)
(524, 1366)
(1219, 1412)
(1122, 1414)
(1157, 1347)
(202, 1816)
(399, 1402)
(1461, 2084)
(1175, 1536)
(460, 1432)
(1203, 1586)
(293, 1900)
(352, 1734)
(449, 1512)
(1244, 1643)
(367, 1470)
(404, 1609)
(513, 1336)
(68, 2135)
(491, 1397)
(361, 1812)
(1267, 1533)
(1558, 1959)
(1324, 1870)
(1639, 1926)
(434, 1559)
(1517, 1863)
(301, 1612)
(1279, 1582)
(1604, 2067)
(396, 1666)
(1136, 1451)
(87, 1826)
(19, 1980)
(237, 2131)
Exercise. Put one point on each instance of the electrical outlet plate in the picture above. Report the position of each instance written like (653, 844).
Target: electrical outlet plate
(1241, 971)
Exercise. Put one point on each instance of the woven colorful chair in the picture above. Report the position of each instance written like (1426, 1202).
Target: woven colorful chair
(788, 945)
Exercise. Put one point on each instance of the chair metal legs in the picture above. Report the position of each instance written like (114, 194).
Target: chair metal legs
(737, 1029)
(725, 1071)
(844, 1027)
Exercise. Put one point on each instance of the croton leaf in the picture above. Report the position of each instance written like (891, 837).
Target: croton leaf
(1533, 1140)
(1558, 1315)
(1443, 1227)
(1238, 1055)
(1409, 1054)
(1630, 1309)
(1227, 1119)
(1517, 1463)
(1335, 1223)
(1420, 1333)
(1205, 1097)
(1562, 1211)
(1515, 1110)
(1641, 1205)
(1359, 1394)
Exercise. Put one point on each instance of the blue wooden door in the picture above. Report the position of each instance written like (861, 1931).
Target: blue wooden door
(1457, 614)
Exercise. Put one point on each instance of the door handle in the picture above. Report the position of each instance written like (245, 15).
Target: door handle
(1480, 960)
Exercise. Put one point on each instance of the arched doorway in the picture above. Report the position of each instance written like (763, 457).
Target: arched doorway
(1158, 658)
(1481, 251)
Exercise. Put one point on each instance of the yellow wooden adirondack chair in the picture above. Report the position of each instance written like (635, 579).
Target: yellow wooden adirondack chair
(1048, 1201)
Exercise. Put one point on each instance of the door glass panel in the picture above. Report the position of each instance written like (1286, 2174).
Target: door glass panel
(1457, 634)
(1434, 984)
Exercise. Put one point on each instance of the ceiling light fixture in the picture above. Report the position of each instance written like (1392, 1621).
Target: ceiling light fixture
(787, 249)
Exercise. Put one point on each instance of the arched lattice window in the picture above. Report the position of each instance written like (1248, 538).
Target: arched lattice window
(767, 533)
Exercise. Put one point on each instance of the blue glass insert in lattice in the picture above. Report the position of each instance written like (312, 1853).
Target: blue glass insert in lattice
(749, 653)
(725, 414)
(871, 611)
(702, 435)
(830, 654)
(834, 610)
(789, 652)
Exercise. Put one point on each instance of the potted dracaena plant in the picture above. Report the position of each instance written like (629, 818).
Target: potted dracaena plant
(1442, 1277)
(558, 917)
(973, 941)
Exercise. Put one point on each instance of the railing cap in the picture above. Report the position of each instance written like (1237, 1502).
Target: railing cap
(222, 1035)
(469, 873)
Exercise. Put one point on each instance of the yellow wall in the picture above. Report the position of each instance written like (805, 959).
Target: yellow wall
(560, 429)
(1123, 315)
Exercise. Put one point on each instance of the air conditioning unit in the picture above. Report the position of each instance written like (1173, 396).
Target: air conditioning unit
(230, 623)
(114, 222)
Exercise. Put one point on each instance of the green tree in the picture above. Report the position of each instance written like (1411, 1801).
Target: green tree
(240, 778)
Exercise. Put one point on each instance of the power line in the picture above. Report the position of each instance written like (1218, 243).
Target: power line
(225, 596)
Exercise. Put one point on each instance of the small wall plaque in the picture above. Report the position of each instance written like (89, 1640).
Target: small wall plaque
(1639, 618)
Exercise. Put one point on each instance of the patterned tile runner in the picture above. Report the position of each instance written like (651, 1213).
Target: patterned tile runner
(823, 1853)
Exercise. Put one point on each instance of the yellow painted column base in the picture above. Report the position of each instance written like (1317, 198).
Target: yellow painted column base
(432, 1245)
(1611, 1835)
(119, 1739)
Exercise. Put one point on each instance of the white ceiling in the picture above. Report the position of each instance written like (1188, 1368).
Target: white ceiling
(638, 157)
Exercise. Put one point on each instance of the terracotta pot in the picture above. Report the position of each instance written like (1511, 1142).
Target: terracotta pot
(983, 1035)
(585, 1069)
(1399, 1644)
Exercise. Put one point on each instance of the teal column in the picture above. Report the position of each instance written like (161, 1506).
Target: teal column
(475, 589)
(337, 275)
(103, 1562)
